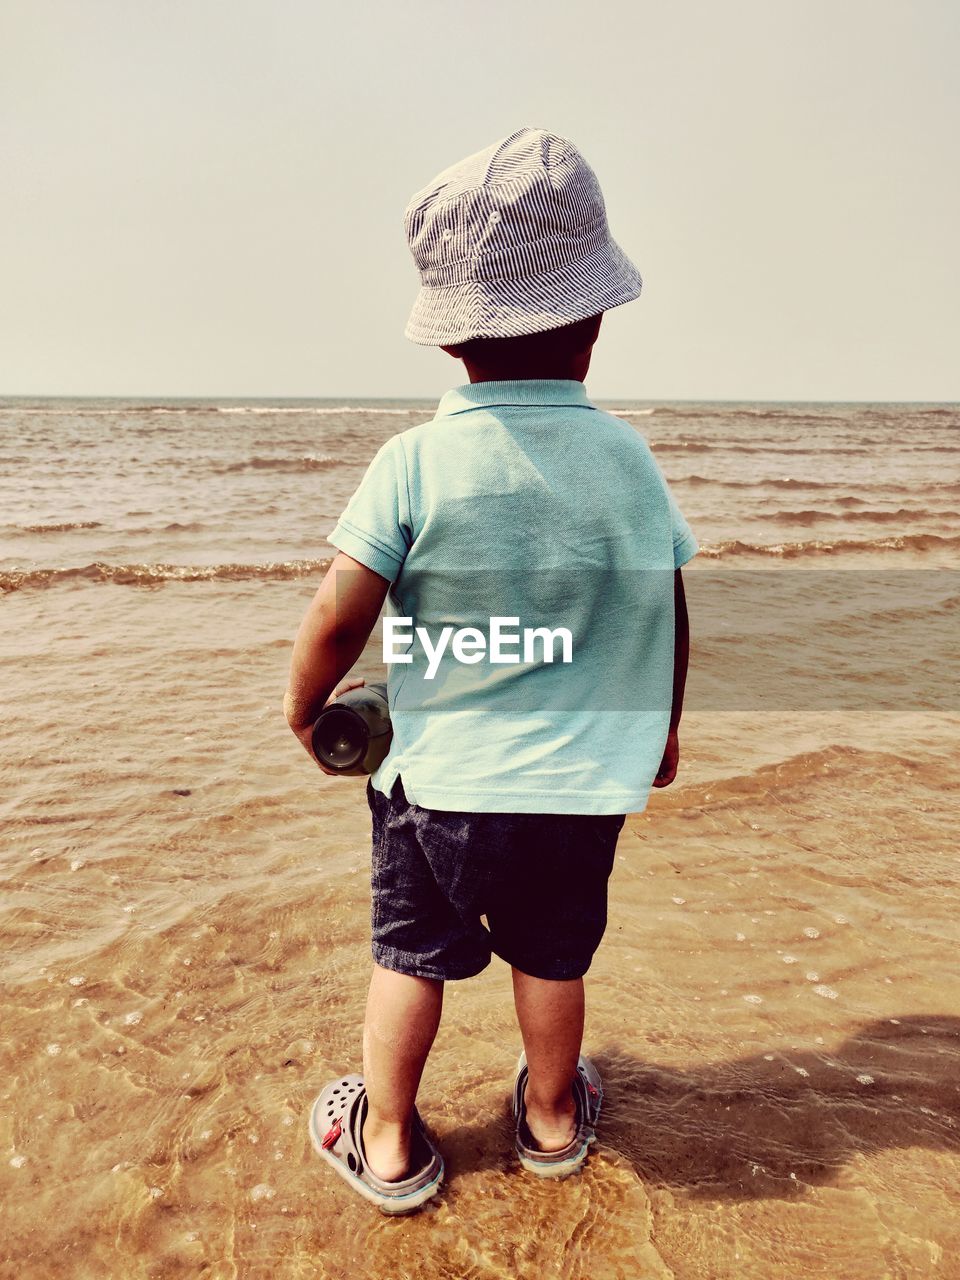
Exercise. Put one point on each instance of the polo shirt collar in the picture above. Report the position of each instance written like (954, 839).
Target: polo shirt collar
(516, 391)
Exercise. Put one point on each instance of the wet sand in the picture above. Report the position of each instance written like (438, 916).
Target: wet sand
(775, 1008)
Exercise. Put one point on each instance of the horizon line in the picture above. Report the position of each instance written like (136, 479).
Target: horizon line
(432, 398)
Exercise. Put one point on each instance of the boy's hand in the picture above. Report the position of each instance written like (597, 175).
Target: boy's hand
(307, 736)
(681, 655)
(356, 683)
(671, 758)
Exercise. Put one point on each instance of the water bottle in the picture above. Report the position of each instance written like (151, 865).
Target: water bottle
(352, 735)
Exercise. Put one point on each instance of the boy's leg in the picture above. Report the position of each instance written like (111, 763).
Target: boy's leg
(551, 1023)
(403, 1014)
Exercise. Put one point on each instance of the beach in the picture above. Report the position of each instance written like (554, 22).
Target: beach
(184, 925)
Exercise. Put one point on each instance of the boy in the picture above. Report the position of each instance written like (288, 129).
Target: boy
(509, 776)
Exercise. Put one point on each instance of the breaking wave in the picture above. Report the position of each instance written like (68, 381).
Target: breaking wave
(789, 482)
(129, 410)
(151, 575)
(723, 446)
(309, 463)
(794, 550)
(62, 526)
(811, 516)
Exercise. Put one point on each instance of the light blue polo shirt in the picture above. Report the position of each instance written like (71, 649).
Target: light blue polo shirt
(523, 501)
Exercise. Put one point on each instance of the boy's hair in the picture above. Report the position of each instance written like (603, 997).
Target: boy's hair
(529, 348)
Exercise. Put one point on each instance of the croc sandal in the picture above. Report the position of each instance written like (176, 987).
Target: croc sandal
(336, 1124)
(588, 1095)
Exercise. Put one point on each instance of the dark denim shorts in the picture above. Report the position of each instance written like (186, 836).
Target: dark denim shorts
(539, 878)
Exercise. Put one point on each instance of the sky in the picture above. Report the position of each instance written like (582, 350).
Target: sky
(205, 197)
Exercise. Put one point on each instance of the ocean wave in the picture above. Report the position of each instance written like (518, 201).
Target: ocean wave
(62, 526)
(69, 526)
(910, 612)
(939, 411)
(795, 550)
(150, 575)
(780, 482)
(78, 411)
(309, 463)
(722, 446)
(790, 482)
(317, 410)
(758, 413)
(684, 446)
(175, 526)
(813, 516)
(727, 441)
(85, 410)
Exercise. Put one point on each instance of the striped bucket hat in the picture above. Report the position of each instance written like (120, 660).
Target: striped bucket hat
(513, 240)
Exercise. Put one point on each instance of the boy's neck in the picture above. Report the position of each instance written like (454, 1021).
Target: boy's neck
(574, 370)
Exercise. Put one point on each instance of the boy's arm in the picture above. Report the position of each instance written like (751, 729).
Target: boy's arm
(681, 656)
(336, 626)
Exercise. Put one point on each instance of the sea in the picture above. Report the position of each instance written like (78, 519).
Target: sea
(184, 918)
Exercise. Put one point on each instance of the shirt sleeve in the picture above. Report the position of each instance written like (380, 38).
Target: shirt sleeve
(685, 545)
(375, 526)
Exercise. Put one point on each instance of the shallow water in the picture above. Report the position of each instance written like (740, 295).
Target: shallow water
(775, 1009)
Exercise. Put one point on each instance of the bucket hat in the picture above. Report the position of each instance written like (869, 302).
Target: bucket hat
(512, 240)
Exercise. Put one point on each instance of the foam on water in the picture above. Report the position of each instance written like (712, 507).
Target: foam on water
(230, 479)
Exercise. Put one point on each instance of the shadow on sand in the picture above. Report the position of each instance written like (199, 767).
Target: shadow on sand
(762, 1126)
